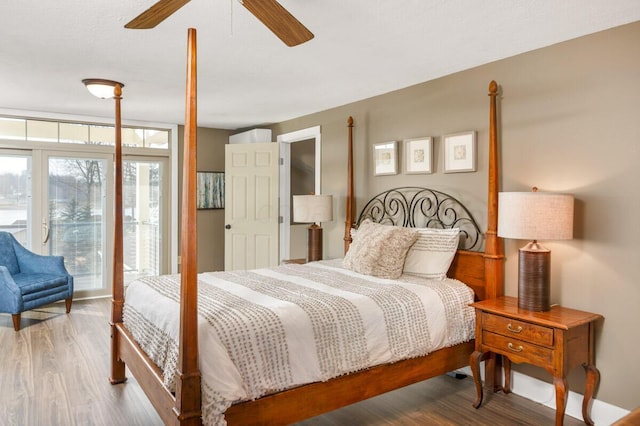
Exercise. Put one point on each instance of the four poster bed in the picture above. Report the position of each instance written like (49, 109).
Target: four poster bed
(173, 372)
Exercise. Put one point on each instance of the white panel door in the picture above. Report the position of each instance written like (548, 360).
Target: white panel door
(251, 206)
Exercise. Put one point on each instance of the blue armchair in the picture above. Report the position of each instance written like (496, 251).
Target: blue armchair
(29, 280)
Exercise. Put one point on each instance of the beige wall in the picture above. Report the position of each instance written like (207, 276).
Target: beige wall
(569, 117)
(210, 158)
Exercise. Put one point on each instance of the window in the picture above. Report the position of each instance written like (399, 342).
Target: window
(56, 195)
(81, 133)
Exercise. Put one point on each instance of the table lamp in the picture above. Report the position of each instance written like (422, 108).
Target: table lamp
(313, 209)
(535, 216)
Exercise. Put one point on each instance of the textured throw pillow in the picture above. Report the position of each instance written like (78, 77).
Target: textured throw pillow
(379, 250)
(432, 253)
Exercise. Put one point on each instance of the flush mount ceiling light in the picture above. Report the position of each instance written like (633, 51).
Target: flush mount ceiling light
(101, 88)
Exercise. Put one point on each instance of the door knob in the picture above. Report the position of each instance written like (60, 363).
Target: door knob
(227, 227)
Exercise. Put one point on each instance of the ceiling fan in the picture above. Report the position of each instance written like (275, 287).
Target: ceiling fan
(278, 19)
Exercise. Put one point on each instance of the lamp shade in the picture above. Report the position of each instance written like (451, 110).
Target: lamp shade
(101, 88)
(535, 215)
(312, 208)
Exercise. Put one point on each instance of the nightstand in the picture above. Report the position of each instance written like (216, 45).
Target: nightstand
(298, 261)
(557, 340)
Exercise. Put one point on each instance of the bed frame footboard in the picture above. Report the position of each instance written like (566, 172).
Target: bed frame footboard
(317, 398)
(147, 374)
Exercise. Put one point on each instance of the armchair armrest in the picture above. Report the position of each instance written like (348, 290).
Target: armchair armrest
(10, 295)
(30, 262)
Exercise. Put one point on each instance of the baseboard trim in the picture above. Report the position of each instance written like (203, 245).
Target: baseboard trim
(602, 413)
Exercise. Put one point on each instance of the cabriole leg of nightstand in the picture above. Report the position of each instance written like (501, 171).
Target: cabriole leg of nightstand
(593, 378)
(474, 363)
(506, 362)
(561, 384)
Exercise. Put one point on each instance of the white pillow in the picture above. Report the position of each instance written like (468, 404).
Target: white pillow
(432, 253)
(379, 250)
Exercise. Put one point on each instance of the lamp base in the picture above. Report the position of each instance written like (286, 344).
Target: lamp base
(314, 243)
(534, 271)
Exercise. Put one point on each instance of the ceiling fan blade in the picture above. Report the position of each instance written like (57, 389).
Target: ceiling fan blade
(278, 19)
(155, 14)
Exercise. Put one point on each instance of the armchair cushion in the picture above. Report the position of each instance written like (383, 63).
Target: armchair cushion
(35, 283)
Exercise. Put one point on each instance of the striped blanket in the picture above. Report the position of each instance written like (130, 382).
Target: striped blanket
(267, 330)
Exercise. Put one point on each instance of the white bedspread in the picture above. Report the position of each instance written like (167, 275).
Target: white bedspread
(267, 330)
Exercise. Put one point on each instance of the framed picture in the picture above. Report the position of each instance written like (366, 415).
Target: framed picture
(417, 155)
(210, 190)
(385, 158)
(460, 152)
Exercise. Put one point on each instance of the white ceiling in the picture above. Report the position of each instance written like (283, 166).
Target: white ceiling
(247, 76)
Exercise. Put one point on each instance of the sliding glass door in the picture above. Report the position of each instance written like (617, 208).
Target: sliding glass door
(69, 212)
(55, 204)
(74, 217)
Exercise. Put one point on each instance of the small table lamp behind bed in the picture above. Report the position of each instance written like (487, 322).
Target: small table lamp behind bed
(313, 209)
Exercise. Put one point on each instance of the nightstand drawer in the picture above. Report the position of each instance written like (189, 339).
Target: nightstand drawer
(515, 348)
(518, 329)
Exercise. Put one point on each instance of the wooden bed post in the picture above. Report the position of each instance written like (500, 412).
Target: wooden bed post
(350, 203)
(117, 300)
(494, 247)
(188, 407)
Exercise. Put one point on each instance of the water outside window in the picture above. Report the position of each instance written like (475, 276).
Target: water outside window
(15, 186)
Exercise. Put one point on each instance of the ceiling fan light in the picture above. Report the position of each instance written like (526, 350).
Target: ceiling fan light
(101, 88)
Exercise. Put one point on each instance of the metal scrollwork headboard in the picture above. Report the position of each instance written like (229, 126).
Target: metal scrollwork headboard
(416, 207)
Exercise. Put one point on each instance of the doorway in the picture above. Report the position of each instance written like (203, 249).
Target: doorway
(306, 136)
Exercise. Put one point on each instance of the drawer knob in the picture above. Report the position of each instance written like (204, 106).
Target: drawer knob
(514, 330)
(513, 348)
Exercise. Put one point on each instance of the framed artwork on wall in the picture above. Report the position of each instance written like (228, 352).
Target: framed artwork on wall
(459, 152)
(210, 186)
(418, 155)
(385, 158)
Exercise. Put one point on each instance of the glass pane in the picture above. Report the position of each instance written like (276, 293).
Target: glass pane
(76, 209)
(156, 138)
(42, 131)
(132, 137)
(13, 128)
(102, 135)
(15, 185)
(74, 133)
(142, 207)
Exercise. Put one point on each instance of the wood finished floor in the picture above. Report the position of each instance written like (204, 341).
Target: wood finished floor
(55, 370)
